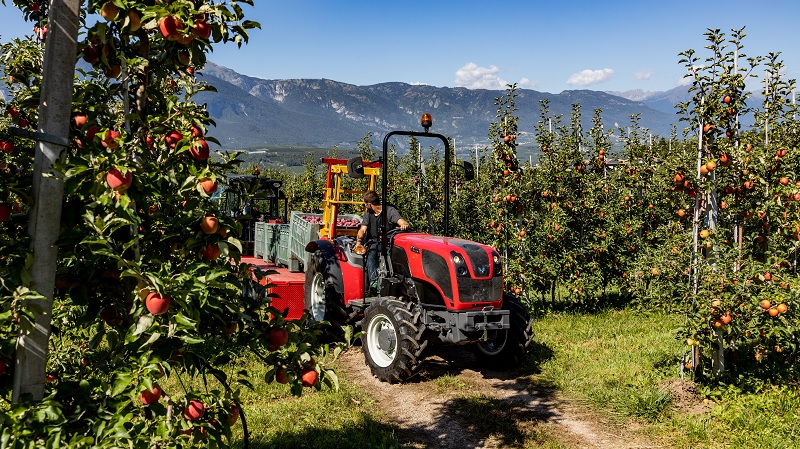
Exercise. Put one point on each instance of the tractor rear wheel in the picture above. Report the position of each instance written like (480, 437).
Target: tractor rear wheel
(392, 339)
(509, 346)
(321, 300)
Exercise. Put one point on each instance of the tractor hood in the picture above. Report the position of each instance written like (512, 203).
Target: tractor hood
(438, 244)
(466, 274)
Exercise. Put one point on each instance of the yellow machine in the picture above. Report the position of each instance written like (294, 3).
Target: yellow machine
(336, 194)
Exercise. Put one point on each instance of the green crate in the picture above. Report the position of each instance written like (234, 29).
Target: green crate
(258, 250)
(300, 233)
(272, 238)
(282, 256)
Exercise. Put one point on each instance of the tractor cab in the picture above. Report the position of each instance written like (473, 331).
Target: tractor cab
(250, 199)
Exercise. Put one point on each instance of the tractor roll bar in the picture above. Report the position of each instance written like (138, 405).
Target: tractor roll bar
(385, 180)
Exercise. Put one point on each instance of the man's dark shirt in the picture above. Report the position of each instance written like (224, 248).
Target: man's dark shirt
(371, 221)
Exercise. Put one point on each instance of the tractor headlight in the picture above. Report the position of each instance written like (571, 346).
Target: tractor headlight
(497, 264)
(459, 264)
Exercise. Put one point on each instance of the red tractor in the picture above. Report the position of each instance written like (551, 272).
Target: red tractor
(430, 288)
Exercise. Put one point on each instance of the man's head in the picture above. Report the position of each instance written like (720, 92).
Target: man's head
(371, 197)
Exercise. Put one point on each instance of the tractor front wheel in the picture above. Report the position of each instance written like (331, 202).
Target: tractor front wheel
(508, 347)
(392, 339)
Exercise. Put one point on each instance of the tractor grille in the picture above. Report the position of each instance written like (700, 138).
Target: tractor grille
(478, 259)
(473, 290)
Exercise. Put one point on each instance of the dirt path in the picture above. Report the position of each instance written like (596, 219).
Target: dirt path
(479, 409)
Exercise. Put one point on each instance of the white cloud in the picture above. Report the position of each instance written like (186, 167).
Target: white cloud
(587, 77)
(685, 80)
(473, 77)
(529, 84)
(643, 74)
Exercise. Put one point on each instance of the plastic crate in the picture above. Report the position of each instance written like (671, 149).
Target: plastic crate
(258, 250)
(288, 295)
(301, 232)
(282, 256)
(272, 237)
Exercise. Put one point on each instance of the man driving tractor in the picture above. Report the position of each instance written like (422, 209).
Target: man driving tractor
(369, 230)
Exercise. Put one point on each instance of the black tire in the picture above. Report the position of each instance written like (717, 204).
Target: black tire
(509, 347)
(392, 339)
(321, 300)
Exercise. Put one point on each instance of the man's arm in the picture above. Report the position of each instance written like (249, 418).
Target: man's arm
(393, 216)
(360, 235)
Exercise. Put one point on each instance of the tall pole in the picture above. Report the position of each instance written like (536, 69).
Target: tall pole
(55, 107)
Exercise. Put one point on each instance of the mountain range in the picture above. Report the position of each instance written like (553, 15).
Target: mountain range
(253, 113)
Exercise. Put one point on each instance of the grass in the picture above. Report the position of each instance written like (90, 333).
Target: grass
(614, 358)
(620, 362)
(616, 365)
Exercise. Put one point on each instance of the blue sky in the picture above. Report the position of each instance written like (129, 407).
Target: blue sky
(548, 46)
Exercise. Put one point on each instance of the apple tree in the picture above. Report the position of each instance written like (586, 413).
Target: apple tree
(150, 300)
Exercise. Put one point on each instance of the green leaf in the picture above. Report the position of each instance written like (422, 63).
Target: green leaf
(144, 323)
(122, 381)
(184, 321)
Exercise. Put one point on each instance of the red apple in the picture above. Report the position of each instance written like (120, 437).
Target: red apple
(281, 376)
(234, 416)
(172, 138)
(111, 316)
(202, 29)
(113, 72)
(170, 28)
(197, 132)
(277, 338)
(194, 410)
(80, 120)
(309, 377)
(22, 123)
(5, 212)
(91, 55)
(208, 185)
(150, 396)
(109, 141)
(91, 132)
(134, 21)
(211, 251)
(157, 304)
(209, 224)
(7, 147)
(200, 150)
(119, 182)
(12, 112)
(109, 11)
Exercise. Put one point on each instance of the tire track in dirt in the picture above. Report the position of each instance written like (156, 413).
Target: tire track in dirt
(427, 418)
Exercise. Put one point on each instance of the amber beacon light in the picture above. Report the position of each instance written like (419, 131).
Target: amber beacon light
(426, 121)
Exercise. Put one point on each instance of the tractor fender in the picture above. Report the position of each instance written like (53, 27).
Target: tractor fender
(331, 268)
